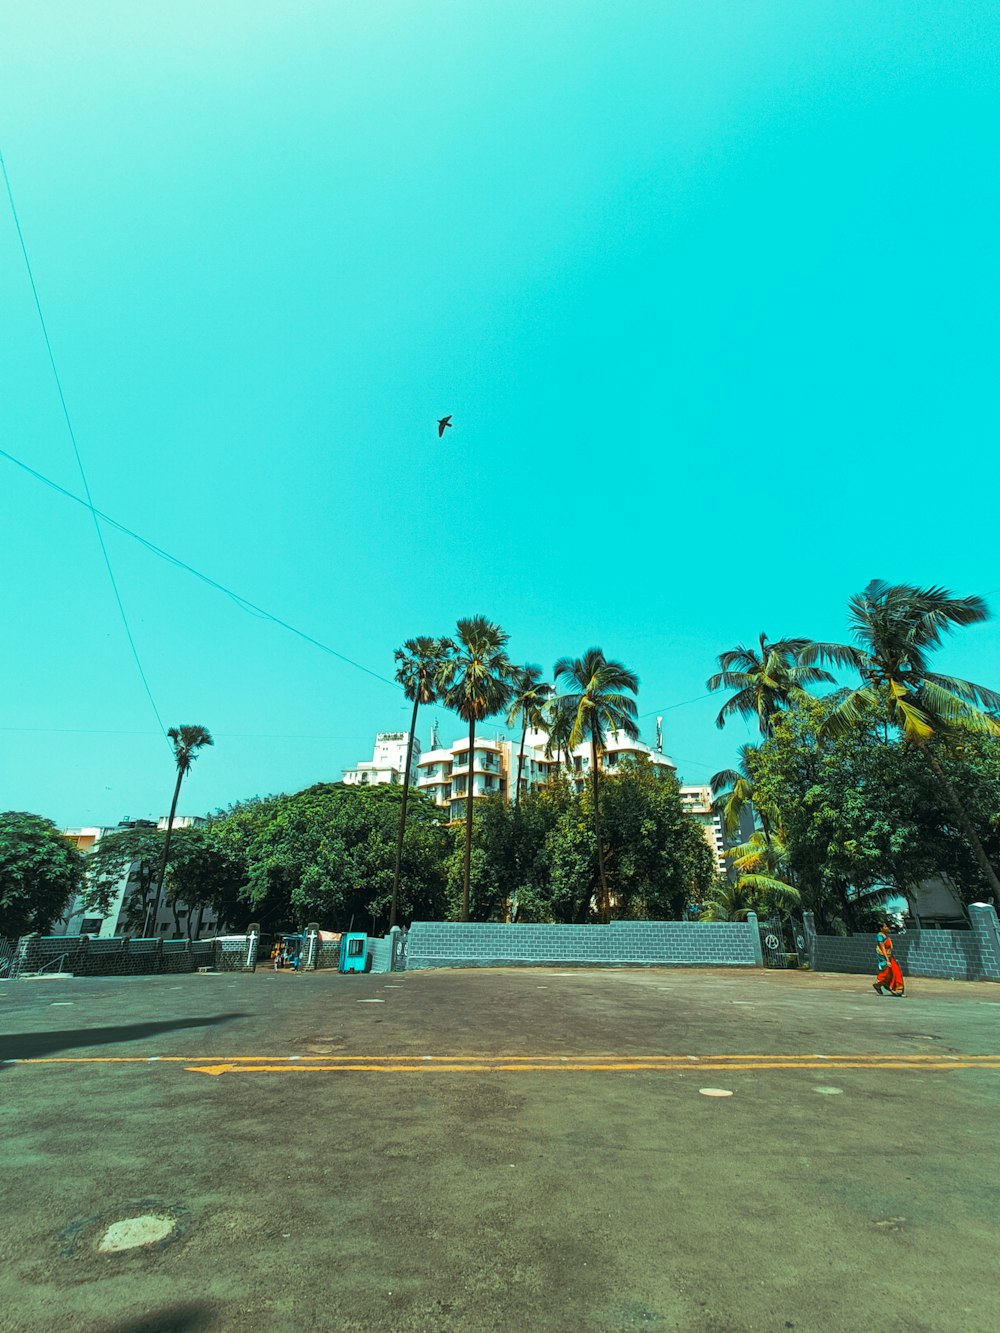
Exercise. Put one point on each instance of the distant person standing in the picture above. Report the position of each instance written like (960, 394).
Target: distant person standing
(890, 974)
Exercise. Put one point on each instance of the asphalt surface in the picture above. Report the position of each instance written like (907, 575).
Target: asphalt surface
(490, 1150)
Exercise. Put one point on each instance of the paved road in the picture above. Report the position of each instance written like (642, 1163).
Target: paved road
(526, 1149)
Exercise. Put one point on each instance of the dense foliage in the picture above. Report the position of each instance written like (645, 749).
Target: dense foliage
(201, 874)
(862, 816)
(538, 861)
(327, 854)
(40, 873)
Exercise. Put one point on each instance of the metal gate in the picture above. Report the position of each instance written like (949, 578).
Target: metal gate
(399, 938)
(772, 943)
(801, 941)
(10, 959)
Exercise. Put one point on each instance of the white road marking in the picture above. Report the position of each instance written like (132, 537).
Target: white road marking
(715, 1092)
(829, 1092)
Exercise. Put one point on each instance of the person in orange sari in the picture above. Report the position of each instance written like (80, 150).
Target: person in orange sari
(890, 973)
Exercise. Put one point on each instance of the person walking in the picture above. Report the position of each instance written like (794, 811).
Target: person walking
(890, 976)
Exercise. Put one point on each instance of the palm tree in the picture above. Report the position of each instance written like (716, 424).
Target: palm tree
(186, 742)
(476, 685)
(528, 704)
(557, 722)
(761, 864)
(732, 791)
(599, 703)
(421, 662)
(896, 627)
(765, 683)
(728, 901)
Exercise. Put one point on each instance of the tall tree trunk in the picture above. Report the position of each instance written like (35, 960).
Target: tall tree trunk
(402, 815)
(520, 766)
(605, 903)
(972, 837)
(468, 822)
(161, 879)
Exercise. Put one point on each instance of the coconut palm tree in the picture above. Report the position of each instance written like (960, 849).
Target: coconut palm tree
(476, 685)
(895, 629)
(765, 682)
(528, 706)
(732, 791)
(727, 901)
(186, 742)
(557, 723)
(598, 701)
(420, 666)
(761, 864)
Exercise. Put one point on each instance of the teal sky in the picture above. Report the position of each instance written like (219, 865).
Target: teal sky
(710, 290)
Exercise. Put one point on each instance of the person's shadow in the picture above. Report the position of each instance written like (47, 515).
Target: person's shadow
(38, 1045)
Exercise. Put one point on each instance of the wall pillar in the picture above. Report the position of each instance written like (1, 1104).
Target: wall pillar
(985, 927)
(809, 926)
(310, 947)
(754, 929)
(31, 951)
(252, 944)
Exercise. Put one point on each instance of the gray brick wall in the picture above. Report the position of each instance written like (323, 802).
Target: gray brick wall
(955, 955)
(622, 943)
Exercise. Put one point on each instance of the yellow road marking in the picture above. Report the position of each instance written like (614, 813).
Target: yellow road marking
(571, 1066)
(603, 1062)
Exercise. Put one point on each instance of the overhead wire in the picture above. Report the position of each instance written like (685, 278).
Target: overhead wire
(242, 602)
(76, 451)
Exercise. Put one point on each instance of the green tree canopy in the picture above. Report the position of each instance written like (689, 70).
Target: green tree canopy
(537, 861)
(862, 818)
(40, 873)
(327, 853)
(896, 628)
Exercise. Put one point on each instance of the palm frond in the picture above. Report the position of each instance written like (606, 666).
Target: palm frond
(837, 654)
(953, 711)
(966, 689)
(848, 712)
(915, 723)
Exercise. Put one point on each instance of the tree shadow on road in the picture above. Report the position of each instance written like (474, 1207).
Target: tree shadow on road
(37, 1045)
(188, 1317)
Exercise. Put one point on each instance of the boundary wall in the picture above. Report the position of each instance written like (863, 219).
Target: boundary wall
(620, 944)
(953, 955)
(88, 956)
(122, 956)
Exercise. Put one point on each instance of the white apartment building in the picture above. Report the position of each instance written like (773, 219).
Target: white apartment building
(443, 773)
(388, 761)
(617, 749)
(697, 801)
(81, 921)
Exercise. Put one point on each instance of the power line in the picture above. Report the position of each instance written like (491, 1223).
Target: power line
(219, 735)
(242, 602)
(76, 450)
(667, 708)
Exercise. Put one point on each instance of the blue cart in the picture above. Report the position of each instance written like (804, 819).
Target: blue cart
(353, 952)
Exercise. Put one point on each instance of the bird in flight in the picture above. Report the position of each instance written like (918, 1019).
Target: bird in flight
(443, 425)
